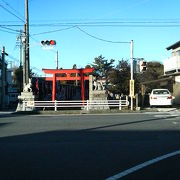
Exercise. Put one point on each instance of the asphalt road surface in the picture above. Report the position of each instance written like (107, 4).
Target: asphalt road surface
(121, 146)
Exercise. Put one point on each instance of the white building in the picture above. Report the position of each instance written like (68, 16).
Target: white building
(172, 69)
(172, 64)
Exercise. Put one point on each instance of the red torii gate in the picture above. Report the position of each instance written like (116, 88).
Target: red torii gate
(68, 77)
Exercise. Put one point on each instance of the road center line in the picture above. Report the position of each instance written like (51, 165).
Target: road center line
(142, 165)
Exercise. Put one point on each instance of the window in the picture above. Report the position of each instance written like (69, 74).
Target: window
(161, 92)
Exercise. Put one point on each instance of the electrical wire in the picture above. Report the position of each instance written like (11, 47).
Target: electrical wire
(125, 23)
(7, 31)
(111, 24)
(12, 25)
(11, 13)
(100, 39)
(99, 25)
(37, 41)
(7, 4)
(110, 20)
(57, 30)
(14, 30)
(13, 58)
(92, 36)
(35, 68)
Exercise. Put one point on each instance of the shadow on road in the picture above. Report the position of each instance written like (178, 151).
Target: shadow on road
(83, 154)
(128, 123)
(16, 114)
(4, 124)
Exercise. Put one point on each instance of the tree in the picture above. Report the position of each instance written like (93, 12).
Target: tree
(119, 78)
(88, 66)
(74, 75)
(74, 66)
(18, 77)
(102, 67)
(154, 70)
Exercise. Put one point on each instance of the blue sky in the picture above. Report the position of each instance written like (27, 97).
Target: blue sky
(76, 47)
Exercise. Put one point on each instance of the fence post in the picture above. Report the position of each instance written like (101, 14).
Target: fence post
(120, 108)
(127, 102)
(55, 106)
(24, 108)
(87, 105)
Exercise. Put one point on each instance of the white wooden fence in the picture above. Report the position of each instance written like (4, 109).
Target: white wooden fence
(86, 104)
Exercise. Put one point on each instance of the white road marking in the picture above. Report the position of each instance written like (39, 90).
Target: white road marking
(175, 123)
(140, 166)
(166, 109)
(164, 115)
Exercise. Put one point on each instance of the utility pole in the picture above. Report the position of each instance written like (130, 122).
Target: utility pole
(20, 59)
(19, 44)
(26, 68)
(3, 78)
(20, 48)
(132, 80)
(26, 72)
(24, 56)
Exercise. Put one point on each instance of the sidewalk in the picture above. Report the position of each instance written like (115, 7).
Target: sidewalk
(6, 112)
(112, 111)
(161, 109)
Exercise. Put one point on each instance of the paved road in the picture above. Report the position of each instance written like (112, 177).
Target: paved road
(89, 146)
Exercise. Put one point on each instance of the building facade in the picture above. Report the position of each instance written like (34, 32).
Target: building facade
(172, 64)
(171, 78)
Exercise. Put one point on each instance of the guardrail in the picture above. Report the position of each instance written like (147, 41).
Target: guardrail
(86, 104)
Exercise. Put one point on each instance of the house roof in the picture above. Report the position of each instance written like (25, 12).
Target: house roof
(174, 46)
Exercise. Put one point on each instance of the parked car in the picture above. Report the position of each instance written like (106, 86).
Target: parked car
(161, 97)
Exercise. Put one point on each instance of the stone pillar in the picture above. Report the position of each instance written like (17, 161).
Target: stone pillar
(26, 97)
(97, 95)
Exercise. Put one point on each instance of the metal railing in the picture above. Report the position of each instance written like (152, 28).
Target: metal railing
(86, 104)
(172, 64)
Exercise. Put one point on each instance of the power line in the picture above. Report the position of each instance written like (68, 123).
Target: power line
(10, 21)
(33, 38)
(95, 37)
(100, 39)
(11, 13)
(13, 58)
(90, 25)
(126, 23)
(7, 4)
(57, 30)
(12, 25)
(109, 20)
(107, 23)
(99, 25)
(35, 68)
(7, 31)
(14, 30)
(112, 24)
